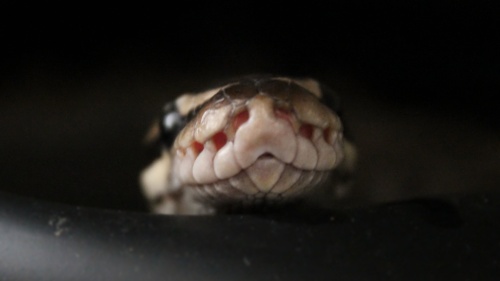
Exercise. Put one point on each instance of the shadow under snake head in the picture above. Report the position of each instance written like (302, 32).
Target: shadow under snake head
(261, 141)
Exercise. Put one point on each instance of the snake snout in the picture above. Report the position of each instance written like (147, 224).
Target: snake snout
(264, 134)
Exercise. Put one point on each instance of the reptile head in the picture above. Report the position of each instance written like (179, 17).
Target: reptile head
(255, 141)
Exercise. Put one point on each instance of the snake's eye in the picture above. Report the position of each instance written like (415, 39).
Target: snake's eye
(171, 124)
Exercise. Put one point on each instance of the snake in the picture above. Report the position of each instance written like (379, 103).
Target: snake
(254, 142)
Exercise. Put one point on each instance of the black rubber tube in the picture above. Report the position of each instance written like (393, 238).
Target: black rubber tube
(46, 241)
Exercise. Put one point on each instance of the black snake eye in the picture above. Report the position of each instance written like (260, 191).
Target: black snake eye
(171, 123)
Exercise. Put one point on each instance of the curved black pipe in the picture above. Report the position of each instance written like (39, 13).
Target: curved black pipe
(47, 241)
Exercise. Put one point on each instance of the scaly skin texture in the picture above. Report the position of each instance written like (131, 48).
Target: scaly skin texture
(255, 142)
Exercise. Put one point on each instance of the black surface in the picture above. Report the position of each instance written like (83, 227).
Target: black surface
(427, 240)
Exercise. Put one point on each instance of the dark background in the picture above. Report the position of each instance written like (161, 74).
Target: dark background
(418, 81)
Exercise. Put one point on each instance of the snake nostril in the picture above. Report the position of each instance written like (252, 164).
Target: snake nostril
(240, 119)
(219, 140)
(306, 130)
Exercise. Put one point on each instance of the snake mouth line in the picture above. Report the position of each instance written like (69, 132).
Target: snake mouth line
(266, 155)
(242, 188)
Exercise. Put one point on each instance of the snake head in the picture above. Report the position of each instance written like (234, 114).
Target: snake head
(252, 142)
